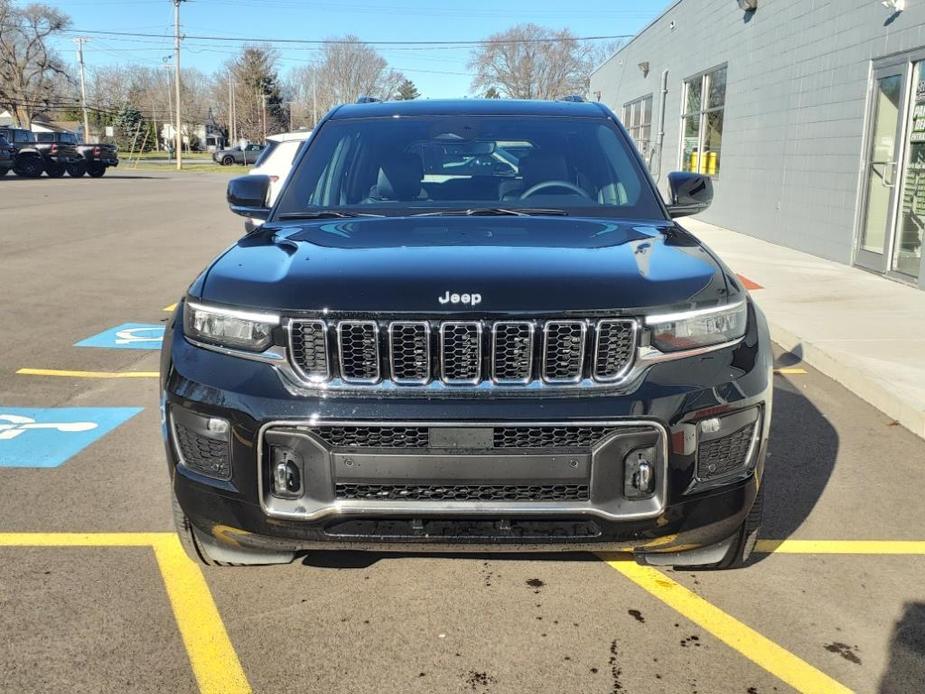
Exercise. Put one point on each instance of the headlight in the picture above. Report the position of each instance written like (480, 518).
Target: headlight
(228, 327)
(693, 329)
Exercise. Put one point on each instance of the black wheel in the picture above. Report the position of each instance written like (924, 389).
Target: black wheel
(76, 170)
(227, 161)
(95, 169)
(53, 170)
(29, 167)
(3, 172)
(742, 547)
(200, 549)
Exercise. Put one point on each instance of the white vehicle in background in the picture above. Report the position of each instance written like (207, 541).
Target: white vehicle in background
(277, 159)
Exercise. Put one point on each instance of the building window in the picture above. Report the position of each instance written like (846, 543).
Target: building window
(702, 122)
(637, 117)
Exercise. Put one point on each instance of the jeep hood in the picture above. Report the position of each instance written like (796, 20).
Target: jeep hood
(404, 264)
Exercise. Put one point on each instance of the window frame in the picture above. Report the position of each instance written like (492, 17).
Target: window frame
(705, 77)
(635, 128)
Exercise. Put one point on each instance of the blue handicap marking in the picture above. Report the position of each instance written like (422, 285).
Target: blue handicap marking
(128, 336)
(47, 437)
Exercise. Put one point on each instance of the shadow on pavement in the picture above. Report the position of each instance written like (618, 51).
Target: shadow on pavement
(361, 560)
(906, 670)
(802, 452)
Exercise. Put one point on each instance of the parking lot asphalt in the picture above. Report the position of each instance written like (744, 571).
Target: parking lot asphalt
(94, 595)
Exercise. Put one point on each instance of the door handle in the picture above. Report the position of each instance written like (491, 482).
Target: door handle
(889, 174)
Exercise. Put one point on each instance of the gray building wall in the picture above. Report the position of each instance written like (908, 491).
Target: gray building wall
(796, 103)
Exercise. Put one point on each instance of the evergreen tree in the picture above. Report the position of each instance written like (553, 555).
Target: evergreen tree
(492, 93)
(407, 91)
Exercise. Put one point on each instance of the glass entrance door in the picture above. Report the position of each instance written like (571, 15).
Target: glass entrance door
(885, 149)
(906, 257)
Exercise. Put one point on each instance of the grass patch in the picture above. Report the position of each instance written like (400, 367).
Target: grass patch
(161, 154)
(188, 167)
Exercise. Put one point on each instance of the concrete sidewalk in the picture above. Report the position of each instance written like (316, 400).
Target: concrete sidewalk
(864, 331)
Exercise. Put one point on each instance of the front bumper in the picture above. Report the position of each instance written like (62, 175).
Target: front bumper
(660, 411)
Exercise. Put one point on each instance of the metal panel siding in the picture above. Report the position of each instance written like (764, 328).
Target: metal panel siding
(796, 100)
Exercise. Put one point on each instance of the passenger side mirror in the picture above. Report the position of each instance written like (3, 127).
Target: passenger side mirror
(691, 193)
(247, 196)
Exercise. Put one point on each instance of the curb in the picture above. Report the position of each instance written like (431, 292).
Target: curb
(854, 379)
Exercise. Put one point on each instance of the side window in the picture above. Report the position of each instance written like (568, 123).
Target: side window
(704, 102)
(23, 136)
(637, 118)
(45, 137)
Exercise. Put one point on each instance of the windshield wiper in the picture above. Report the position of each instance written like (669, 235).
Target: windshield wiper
(496, 212)
(326, 214)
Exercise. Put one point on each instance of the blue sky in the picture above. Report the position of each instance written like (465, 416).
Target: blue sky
(438, 72)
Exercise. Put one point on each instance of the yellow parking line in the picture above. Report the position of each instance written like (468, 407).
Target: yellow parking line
(790, 371)
(170, 309)
(760, 650)
(212, 656)
(840, 547)
(89, 374)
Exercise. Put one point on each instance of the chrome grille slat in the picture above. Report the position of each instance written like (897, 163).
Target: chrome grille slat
(409, 352)
(614, 347)
(432, 354)
(512, 351)
(308, 345)
(461, 352)
(358, 351)
(564, 350)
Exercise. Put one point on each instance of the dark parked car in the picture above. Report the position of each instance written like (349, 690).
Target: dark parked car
(424, 347)
(238, 155)
(28, 161)
(7, 155)
(94, 158)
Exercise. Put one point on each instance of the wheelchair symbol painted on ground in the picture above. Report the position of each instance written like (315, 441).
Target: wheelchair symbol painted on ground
(127, 336)
(48, 437)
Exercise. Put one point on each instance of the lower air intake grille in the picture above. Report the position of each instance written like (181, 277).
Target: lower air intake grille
(469, 492)
(374, 437)
(722, 456)
(550, 437)
(205, 455)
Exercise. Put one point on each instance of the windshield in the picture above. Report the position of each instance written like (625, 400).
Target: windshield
(398, 166)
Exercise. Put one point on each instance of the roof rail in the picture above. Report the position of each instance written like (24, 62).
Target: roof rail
(363, 99)
(574, 98)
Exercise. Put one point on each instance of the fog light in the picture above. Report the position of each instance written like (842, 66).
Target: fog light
(287, 473)
(217, 425)
(639, 473)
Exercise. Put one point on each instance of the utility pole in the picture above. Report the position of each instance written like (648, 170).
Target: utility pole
(176, 67)
(290, 104)
(170, 111)
(83, 89)
(264, 97)
(230, 108)
(234, 112)
(314, 97)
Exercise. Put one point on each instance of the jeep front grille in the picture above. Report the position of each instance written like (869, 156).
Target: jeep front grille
(462, 353)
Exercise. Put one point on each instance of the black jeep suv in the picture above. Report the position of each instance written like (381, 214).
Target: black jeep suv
(468, 325)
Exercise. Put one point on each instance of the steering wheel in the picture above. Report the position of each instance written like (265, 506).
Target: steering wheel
(533, 190)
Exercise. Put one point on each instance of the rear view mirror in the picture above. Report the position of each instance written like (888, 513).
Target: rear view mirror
(247, 196)
(691, 193)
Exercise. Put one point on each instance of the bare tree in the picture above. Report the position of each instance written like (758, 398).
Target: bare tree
(532, 62)
(28, 67)
(347, 70)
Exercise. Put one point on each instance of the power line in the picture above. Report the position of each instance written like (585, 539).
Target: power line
(325, 42)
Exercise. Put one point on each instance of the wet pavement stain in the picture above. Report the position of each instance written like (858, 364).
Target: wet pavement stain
(477, 680)
(690, 640)
(535, 583)
(847, 652)
(637, 615)
(615, 670)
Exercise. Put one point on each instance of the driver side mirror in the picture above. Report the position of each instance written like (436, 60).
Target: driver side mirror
(247, 196)
(691, 193)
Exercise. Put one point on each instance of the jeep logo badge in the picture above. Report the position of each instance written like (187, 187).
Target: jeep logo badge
(471, 299)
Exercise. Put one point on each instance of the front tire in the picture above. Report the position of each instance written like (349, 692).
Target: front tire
(29, 167)
(741, 549)
(76, 170)
(204, 551)
(227, 161)
(54, 170)
(3, 172)
(95, 169)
